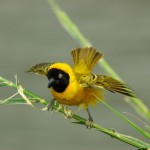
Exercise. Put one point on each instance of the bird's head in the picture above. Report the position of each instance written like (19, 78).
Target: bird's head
(58, 74)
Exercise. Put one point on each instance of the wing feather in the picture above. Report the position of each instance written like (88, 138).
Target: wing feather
(85, 59)
(41, 68)
(113, 85)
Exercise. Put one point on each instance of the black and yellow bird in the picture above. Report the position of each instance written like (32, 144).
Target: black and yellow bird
(78, 86)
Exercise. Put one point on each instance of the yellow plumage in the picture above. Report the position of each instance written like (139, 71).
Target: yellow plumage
(75, 93)
(77, 86)
(85, 59)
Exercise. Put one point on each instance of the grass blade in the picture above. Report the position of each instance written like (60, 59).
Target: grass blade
(140, 130)
(13, 101)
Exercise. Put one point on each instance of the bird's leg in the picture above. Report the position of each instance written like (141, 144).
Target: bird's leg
(89, 122)
(50, 104)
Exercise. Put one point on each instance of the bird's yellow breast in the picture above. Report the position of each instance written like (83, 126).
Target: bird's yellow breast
(72, 95)
(75, 93)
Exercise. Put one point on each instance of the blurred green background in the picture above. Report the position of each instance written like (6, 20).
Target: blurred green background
(31, 34)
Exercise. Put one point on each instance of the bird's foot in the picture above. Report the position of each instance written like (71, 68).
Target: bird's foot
(89, 123)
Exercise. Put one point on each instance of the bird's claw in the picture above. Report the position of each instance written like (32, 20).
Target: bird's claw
(89, 123)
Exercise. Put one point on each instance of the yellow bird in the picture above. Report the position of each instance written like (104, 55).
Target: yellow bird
(78, 86)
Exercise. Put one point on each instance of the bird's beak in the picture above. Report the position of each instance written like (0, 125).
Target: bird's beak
(51, 82)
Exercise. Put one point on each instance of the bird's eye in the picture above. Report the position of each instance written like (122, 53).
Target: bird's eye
(60, 75)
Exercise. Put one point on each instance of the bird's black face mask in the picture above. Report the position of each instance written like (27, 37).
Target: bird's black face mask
(58, 80)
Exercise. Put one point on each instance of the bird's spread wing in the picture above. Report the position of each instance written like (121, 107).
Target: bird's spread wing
(113, 85)
(106, 82)
(41, 68)
(84, 59)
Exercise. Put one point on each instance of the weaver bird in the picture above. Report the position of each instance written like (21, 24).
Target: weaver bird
(78, 86)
